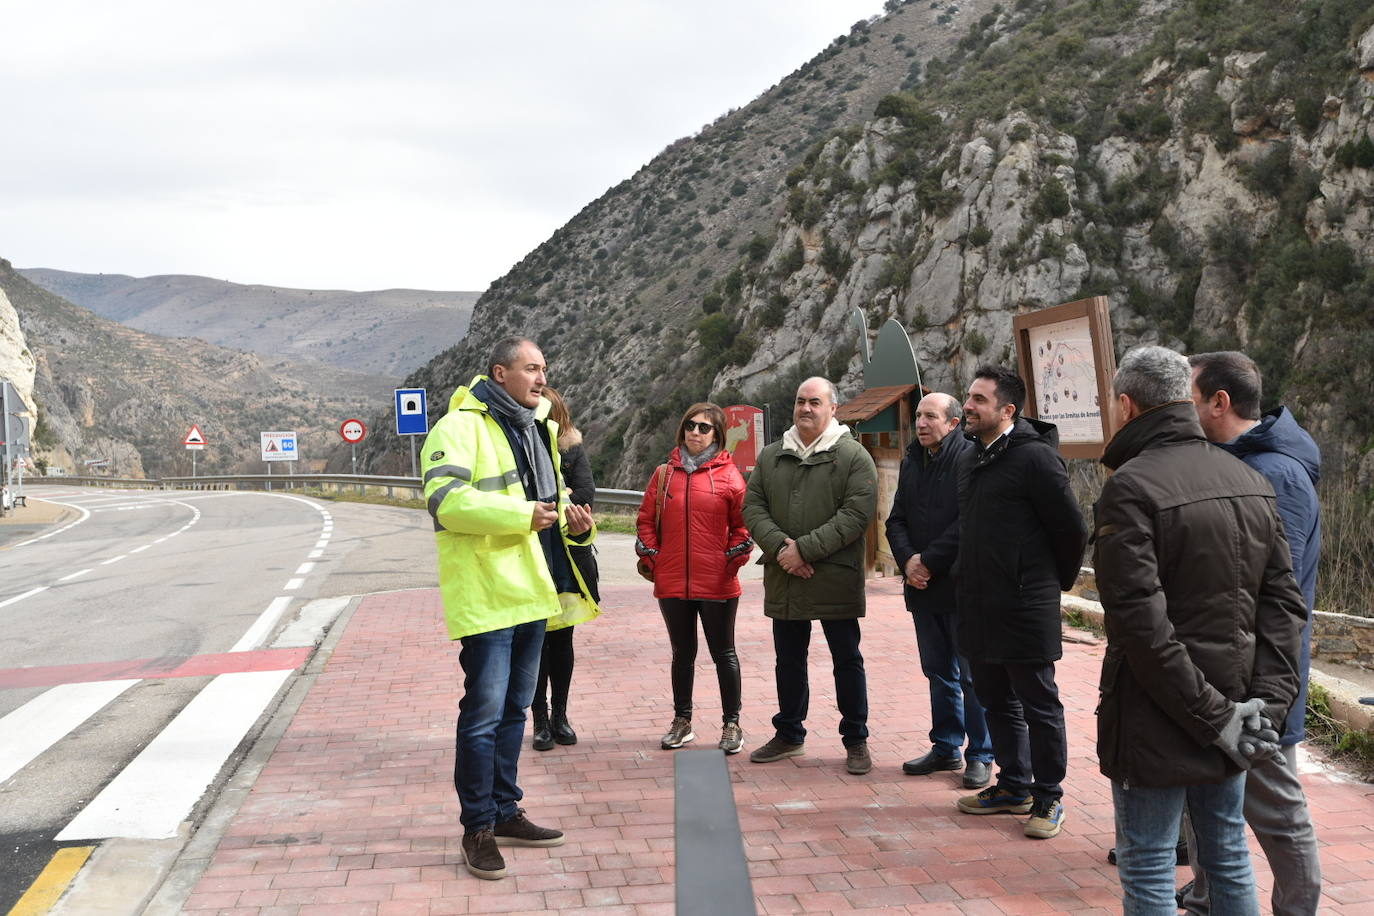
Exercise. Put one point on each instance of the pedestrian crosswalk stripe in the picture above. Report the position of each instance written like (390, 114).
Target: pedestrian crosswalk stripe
(158, 789)
(43, 721)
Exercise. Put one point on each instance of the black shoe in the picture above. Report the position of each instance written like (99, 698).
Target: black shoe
(562, 732)
(543, 738)
(482, 857)
(1181, 855)
(1111, 856)
(519, 831)
(933, 762)
(977, 774)
(1182, 893)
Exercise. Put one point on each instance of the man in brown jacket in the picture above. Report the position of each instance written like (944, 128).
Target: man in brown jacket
(1204, 621)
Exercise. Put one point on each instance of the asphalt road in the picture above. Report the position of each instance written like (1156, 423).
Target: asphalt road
(141, 648)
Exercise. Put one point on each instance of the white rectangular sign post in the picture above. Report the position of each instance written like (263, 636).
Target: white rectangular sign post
(278, 446)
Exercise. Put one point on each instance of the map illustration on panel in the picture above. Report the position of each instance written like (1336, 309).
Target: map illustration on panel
(1066, 379)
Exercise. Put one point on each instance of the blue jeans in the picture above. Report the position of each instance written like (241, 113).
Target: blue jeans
(500, 669)
(1147, 832)
(954, 707)
(791, 641)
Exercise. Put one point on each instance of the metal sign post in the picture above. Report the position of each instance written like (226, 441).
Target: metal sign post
(412, 419)
(353, 431)
(5, 431)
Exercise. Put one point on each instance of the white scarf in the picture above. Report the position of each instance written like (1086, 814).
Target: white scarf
(829, 437)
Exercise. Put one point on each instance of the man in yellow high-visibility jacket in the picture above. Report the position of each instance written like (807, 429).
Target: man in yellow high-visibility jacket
(493, 485)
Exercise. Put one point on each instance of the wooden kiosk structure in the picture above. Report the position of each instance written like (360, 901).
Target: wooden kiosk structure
(882, 417)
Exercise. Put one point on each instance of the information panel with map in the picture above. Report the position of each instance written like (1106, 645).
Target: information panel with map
(1066, 359)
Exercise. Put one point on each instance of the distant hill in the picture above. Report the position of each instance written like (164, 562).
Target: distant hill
(382, 332)
(105, 390)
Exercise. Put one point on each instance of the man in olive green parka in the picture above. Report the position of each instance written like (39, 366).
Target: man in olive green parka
(808, 505)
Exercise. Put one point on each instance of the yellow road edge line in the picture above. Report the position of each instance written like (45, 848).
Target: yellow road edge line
(52, 882)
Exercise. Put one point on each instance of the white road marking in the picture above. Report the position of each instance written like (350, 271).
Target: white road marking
(43, 721)
(76, 575)
(141, 549)
(157, 790)
(292, 584)
(304, 569)
(31, 592)
(85, 514)
(315, 554)
(322, 543)
(113, 559)
(266, 622)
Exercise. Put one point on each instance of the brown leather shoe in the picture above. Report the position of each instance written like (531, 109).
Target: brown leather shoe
(481, 855)
(520, 831)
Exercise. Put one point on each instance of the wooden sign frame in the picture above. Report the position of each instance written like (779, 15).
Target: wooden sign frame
(1050, 346)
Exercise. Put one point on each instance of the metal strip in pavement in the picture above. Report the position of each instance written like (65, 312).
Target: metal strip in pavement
(46, 719)
(712, 872)
(139, 668)
(157, 790)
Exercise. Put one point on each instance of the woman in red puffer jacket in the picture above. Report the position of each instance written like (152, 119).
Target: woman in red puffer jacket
(692, 537)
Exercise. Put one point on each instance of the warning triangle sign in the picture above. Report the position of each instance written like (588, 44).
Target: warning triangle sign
(194, 437)
(272, 445)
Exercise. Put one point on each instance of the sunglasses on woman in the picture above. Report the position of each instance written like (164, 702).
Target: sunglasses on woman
(693, 426)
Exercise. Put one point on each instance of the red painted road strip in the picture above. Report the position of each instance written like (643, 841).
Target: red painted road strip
(178, 666)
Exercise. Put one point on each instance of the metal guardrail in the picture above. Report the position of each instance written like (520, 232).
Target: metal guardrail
(362, 483)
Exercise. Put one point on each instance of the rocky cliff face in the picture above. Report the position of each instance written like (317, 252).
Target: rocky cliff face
(16, 361)
(1209, 166)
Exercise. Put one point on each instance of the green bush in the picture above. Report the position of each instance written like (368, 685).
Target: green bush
(716, 333)
(712, 302)
(1364, 152)
(757, 248)
(834, 259)
(979, 235)
(975, 342)
(1052, 202)
(793, 261)
(773, 314)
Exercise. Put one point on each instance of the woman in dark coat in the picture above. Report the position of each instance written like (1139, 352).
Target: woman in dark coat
(556, 664)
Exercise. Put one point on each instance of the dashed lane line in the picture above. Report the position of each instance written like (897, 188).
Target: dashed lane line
(76, 575)
(28, 594)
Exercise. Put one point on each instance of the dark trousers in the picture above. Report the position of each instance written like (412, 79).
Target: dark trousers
(954, 708)
(1026, 722)
(791, 642)
(718, 623)
(555, 670)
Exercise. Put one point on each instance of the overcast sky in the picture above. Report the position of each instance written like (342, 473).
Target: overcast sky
(356, 145)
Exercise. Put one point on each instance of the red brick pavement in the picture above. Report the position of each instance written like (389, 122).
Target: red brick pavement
(355, 811)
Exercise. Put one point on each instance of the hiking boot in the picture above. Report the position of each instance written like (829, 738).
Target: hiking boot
(977, 774)
(481, 855)
(932, 762)
(679, 733)
(775, 749)
(562, 730)
(543, 738)
(519, 831)
(1046, 818)
(995, 800)
(856, 760)
(731, 738)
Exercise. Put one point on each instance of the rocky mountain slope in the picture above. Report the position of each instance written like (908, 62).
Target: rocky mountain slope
(381, 332)
(104, 390)
(1207, 164)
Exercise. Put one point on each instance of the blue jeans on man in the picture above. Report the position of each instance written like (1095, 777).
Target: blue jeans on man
(500, 669)
(954, 708)
(1147, 832)
(791, 642)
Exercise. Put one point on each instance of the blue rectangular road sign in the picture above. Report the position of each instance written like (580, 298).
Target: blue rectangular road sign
(412, 416)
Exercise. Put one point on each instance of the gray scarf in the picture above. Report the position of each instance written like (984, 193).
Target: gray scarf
(691, 462)
(522, 419)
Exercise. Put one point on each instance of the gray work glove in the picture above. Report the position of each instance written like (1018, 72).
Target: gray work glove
(1231, 733)
(1259, 738)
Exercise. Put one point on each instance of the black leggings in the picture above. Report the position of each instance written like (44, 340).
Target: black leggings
(555, 669)
(718, 622)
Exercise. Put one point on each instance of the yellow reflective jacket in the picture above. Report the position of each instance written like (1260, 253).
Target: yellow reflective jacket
(492, 571)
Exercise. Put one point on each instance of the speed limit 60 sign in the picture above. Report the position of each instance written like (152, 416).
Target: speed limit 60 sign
(353, 431)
